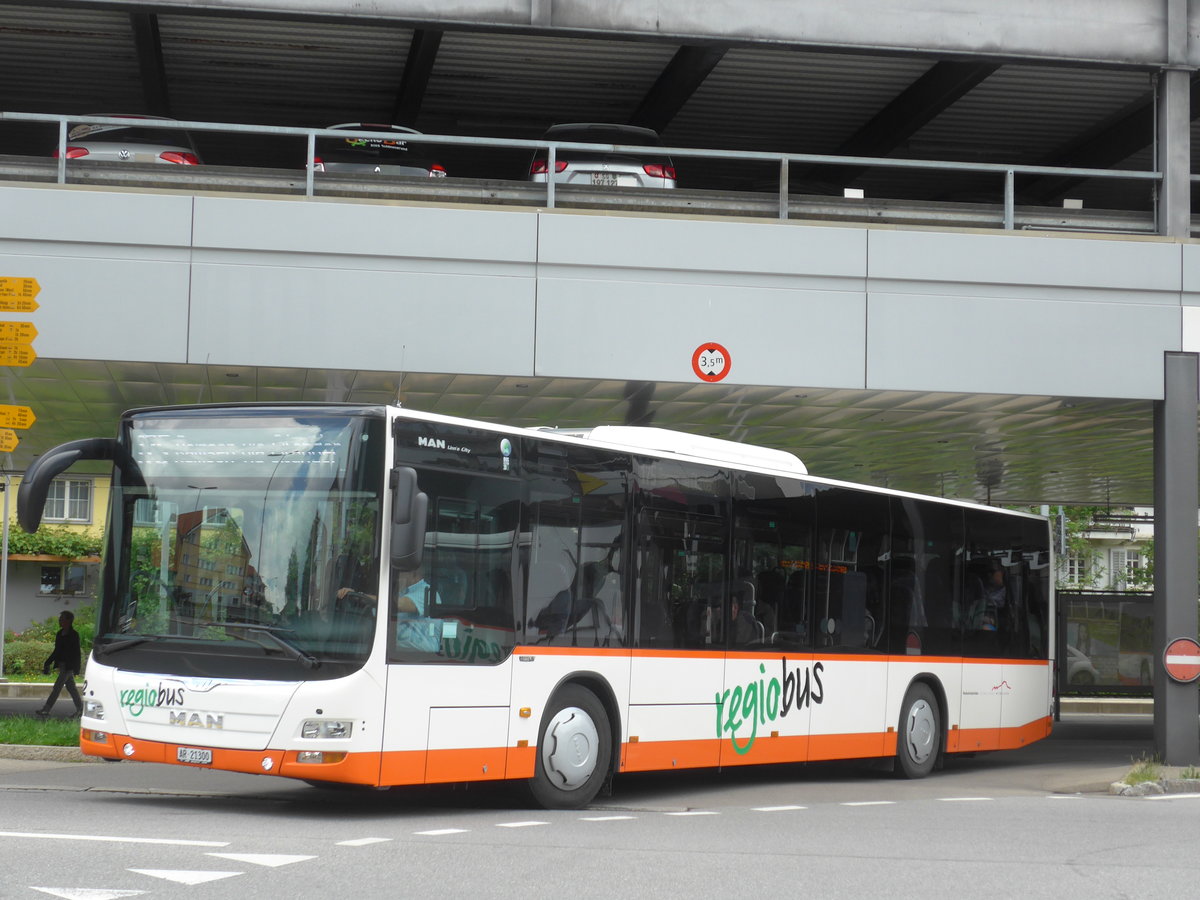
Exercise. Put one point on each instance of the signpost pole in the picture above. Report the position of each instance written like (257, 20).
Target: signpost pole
(1176, 491)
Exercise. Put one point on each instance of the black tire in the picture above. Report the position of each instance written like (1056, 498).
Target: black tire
(574, 750)
(920, 732)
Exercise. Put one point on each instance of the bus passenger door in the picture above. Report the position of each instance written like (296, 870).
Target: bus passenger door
(677, 671)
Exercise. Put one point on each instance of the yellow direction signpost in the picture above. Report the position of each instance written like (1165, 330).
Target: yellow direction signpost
(16, 416)
(18, 294)
(16, 355)
(8, 440)
(17, 332)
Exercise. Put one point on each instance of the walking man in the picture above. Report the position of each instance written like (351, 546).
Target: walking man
(66, 656)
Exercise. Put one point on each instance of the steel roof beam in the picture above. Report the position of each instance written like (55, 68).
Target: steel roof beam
(680, 79)
(422, 54)
(942, 85)
(148, 44)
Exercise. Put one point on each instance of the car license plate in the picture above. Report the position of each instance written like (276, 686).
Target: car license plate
(194, 755)
(605, 179)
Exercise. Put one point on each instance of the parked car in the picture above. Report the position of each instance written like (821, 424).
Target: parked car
(388, 154)
(644, 169)
(1079, 668)
(141, 141)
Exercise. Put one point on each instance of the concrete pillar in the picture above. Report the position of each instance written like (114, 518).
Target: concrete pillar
(1176, 495)
(1174, 128)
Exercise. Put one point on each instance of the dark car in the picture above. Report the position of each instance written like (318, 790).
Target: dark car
(645, 169)
(388, 154)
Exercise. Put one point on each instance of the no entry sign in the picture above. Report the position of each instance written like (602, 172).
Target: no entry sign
(710, 362)
(1182, 660)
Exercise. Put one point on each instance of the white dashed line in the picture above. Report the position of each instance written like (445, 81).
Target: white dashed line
(605, 818)
(519, 824)
(1173, 797)
(870, 803)
(694, 812)
(113, 839)
(362, 842)
(438, 832)
(1063, 797)
(776, 808)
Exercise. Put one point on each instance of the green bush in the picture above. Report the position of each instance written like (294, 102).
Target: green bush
(41, 635)
(26, 657)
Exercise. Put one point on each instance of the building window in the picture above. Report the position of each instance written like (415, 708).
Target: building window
(1076, 569)
(69, 500)
(64, 579)
(1124, 564)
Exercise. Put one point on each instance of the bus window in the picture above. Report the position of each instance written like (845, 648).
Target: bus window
(850, 578)
(577, 528)
(458, 605)
(773, 521)
(683, 597)
(1006, 591)
(926, 579)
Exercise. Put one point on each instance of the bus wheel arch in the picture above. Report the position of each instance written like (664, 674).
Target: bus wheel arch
(921, 733)
(575, 747)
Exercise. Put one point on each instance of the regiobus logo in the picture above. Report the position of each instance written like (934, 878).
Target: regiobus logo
(766, 699)
(137, 700)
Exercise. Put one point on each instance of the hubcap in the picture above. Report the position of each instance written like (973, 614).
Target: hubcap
(569, 751)
(920, 735)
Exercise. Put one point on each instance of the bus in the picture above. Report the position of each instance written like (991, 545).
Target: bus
(370, 595)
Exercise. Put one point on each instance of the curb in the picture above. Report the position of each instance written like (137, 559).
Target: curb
(1156, 788)
(44, 753)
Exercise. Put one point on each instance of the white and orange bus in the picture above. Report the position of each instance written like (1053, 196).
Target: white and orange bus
(371, 595)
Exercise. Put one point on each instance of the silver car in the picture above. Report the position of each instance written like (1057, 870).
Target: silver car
(388, 154)
(142, 141)
(643, 169)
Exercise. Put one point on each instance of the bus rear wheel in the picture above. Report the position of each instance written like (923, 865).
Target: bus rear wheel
(920, 733)
(574, 750)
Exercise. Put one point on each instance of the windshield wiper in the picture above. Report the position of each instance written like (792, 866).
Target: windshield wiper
(290, 648)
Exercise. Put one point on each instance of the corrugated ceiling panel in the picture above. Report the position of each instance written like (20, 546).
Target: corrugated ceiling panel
(281, 72)
(68, 61)
(493, 84)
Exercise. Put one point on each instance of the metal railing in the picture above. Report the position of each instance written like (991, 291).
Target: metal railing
(784, 162)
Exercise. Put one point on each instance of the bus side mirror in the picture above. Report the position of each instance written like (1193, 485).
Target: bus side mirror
(409, 506)
(35, 485)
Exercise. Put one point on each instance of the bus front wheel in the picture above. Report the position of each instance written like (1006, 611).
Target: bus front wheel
(920, 735)
(574, 750)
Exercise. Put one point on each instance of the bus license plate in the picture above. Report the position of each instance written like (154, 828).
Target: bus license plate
(194, 755)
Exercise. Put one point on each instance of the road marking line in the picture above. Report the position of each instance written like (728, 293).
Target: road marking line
(604, 818)
(519, 824)
(776, 808)
(185, 876)
(870, 803)
(962, 799)
(1063, 797)
(438, 832)
(273, 860)
(1173, 797)
(695, 812)
(86, 893)
(113, 839)
(362, 842)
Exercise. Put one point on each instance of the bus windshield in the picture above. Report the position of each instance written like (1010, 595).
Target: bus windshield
(244, 547)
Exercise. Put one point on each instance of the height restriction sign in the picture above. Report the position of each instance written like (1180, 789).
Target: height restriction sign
(710, 362)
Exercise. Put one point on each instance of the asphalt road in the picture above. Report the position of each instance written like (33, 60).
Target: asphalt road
(1035, 822)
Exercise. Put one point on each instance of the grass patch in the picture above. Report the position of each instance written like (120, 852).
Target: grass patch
(1191, 773)
(39, 732)
(1144, 769)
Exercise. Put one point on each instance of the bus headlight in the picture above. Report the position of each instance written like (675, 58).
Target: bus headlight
(93, 709)
(313, 729)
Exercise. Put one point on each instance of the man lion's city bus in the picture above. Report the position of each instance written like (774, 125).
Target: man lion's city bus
(370, 595)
